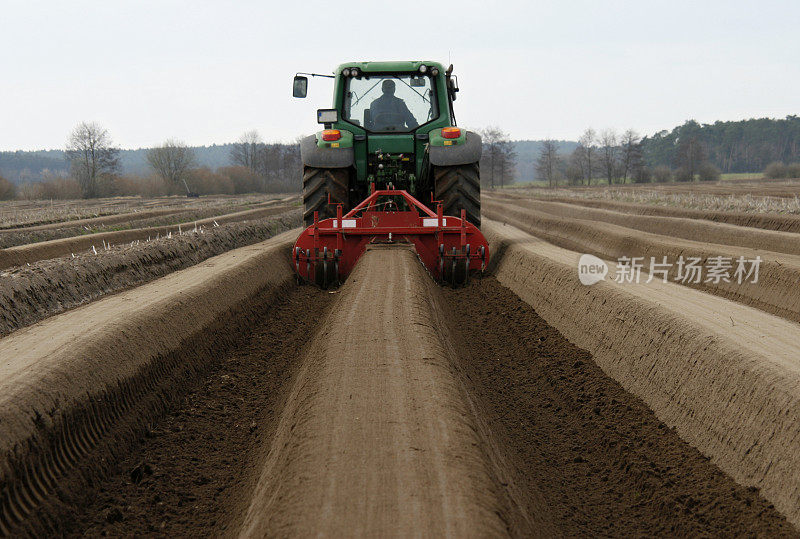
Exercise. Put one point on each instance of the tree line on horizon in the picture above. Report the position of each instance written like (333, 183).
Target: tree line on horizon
(738, 146)
(688, 152)
(610, 157)
(93, 170)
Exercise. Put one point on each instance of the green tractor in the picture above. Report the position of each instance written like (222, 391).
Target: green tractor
(392, 126)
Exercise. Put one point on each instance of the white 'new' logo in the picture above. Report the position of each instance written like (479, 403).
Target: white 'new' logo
(591, 269)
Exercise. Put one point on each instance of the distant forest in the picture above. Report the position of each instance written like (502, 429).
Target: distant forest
(21, 167)
(743, 146)
(740, 146)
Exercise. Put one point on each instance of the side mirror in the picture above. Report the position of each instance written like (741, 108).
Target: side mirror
(452, 87)
(300, 86)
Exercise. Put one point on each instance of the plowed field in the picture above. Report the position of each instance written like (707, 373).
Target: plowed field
(208, 394)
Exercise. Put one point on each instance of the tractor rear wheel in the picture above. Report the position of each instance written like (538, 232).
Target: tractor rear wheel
(318, 183)
(459, 187)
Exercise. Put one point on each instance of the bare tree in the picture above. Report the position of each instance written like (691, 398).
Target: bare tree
(548, 162)
(587, 144)
(499, 157)
(631, 153)
(491, 137)
(172, 161)
(92, 157)
(575, 166)
(609, 154)
(508, 162)
(246, 151)
(280, 167)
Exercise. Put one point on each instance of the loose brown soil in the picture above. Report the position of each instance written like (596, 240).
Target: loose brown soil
(605, 464)
(75, 388)
(197, 461)
(377, 438)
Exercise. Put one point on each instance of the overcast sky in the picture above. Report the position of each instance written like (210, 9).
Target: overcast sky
(204, 72)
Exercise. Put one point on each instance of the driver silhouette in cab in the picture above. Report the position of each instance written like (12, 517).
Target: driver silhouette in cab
(390, 113)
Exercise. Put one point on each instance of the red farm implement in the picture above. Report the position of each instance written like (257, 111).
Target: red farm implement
(449, 247)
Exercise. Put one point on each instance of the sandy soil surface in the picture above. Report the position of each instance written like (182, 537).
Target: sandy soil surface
(29, 213)
(223, 400)
(91, 222)
(202, 458)
(375, 439)
(603, 461)
(144, 219)
(741, 187)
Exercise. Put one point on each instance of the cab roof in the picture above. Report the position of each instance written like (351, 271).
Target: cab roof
(378, 67)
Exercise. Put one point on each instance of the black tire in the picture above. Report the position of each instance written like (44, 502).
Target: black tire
(317, 184)
(459, 187)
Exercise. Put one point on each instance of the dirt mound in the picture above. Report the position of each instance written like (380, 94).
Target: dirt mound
(88, 380)
(767, 221)
(140, 218)
(31, 293)
(724, 375)
(775, 292)
(376, 438)
(21, 214)
(91, 222)
(32, 252)
(680, 227)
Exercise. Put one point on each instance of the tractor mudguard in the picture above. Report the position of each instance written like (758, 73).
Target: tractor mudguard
(314, 156)
(460, 154)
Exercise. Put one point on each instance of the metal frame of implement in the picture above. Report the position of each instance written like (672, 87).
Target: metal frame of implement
(449, 247)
